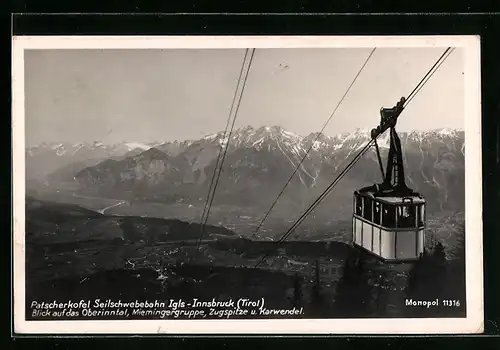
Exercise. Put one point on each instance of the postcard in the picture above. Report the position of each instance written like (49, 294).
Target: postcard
(247, 185)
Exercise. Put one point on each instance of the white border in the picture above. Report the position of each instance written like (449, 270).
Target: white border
(474, 323)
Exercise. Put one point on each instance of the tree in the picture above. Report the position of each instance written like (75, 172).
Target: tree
(427, 278)
(459, 249)
(438, 268)
(354, 293)
(381, 293)
(455, 272)
(417, 275)
(297, 291)
(318, 308)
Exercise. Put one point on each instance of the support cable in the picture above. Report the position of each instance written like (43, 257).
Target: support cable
(319, 199)
(226, 141)
(224, 137)
(312, 145)
(429, 74)
(419, 86)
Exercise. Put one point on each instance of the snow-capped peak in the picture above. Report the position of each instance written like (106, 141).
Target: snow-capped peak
(289, 134)
(135, 145)
(57, 145)
(276, 131)
(355, 136)
(442, 132)
(211, 136)
(446, 132)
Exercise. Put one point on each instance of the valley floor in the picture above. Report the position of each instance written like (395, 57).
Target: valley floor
(109, 266)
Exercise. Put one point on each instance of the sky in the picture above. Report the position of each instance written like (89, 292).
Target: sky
(164, 95)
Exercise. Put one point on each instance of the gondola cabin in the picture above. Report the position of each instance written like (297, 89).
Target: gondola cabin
(389, 218)
(393, 228)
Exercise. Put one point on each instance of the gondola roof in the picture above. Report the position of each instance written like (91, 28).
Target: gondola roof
(415, 197)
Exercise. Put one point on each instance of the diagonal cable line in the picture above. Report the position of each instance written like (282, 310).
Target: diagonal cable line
(419, 86)
(429, 75)
(220, 149)
(312, 144)
(227, 144)
(319, 199)
(329, 188)
(426, 75)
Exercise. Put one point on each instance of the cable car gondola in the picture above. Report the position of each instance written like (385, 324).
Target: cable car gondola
(389, 218)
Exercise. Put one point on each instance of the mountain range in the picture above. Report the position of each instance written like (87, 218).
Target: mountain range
(258, 163)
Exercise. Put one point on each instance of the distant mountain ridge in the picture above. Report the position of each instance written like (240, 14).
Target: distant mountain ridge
(48, 157)
(260, 161)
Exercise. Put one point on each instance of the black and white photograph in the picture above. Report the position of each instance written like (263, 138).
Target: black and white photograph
(247, 185)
